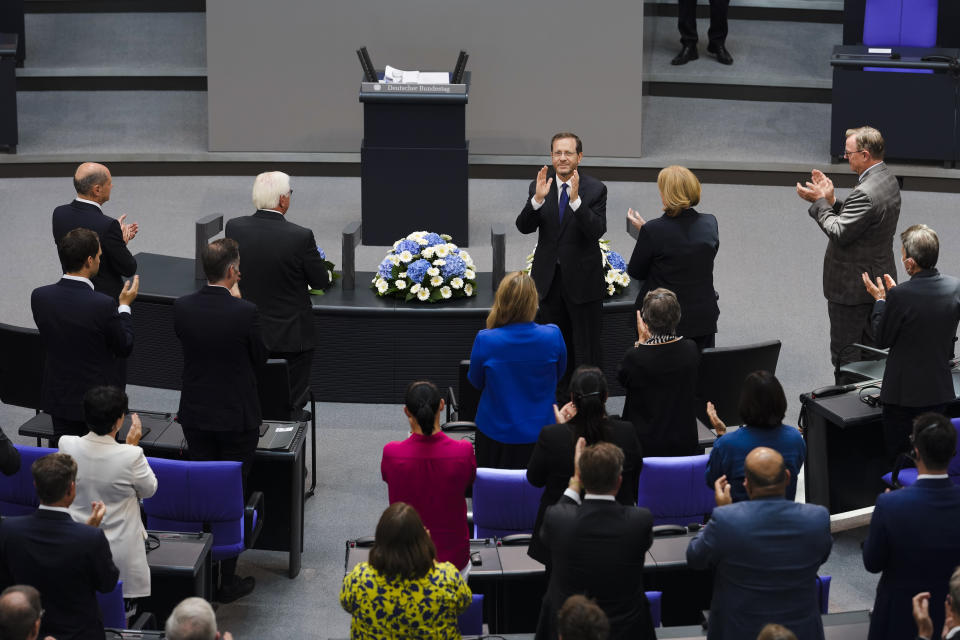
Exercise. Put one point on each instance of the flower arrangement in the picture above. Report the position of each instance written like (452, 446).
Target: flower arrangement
(614, 269)
(427, 267)
(331, 274)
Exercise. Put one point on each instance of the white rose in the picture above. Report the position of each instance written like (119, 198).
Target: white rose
(406, 256)
(445, 292)
(415, 287)
(433, 271)
(441, 251)
(457, 283)
(623, 280)
(382, 285)
(468, 289)
(400, 284)
(423, 293)
(470, 275)
(394, 260)
(436, 281)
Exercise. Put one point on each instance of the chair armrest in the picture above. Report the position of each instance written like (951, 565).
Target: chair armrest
(879, 352)
(250, 531)
(516, 539)
(459, 425)
(662, 530)
(145, 621)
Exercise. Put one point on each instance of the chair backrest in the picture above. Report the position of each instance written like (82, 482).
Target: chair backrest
(21, 371)
(470, 621)
(905, 23)
(721, 375)
(656, 606)
(504, 503)
(954, 469)
(273, 387)
(199, 496)
(17, 494)
(674, 489)
(823, 593)
(112, 608)
(468, 396)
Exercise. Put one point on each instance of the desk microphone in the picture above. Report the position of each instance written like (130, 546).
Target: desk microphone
(832, 390)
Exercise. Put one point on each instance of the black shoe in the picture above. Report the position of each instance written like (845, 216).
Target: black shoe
(687, 53)
(236, 589)
(720, 51)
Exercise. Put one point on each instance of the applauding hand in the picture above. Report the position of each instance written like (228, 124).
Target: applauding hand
(543, 186)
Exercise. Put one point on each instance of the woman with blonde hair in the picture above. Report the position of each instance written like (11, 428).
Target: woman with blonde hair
(515, 363)
(676, 252)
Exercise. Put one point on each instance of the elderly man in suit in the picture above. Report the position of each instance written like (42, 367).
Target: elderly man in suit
(67, 561)
(765, 553)
(281, 263)
(918, 321)
(569, 211)
(94, 183)
(597, 546)
(951, 610)
(20, 613)
(85, 334)
(222, 348)
(860, 237)
(914, 536)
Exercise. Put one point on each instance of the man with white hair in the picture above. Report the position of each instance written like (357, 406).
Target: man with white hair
(280, 262)
(193, 619)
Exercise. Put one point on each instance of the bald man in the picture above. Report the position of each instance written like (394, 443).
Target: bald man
(93, 183)
(20, 612)
(765, 553)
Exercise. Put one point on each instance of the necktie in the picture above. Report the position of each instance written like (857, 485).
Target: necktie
(564, 199)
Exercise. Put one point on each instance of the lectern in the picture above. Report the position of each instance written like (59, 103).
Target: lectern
(413, 161)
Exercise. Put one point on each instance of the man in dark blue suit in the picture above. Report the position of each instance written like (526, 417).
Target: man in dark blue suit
(222, 347)
(67, 561)
(914, 536)
(94, 183)
(85, 334)
(569, 211)
(765, 553)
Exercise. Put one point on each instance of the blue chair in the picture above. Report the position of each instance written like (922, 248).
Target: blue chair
(470, 621)
(504, 503)
(205, 496)
(17, 495)
(654, 598)
(112, 608)
(900, 23)
(823, 593)
(908, 476)
(674, 490)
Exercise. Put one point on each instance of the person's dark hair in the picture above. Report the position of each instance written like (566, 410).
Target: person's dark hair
(402, 548)
(217, 258)
(600, 467)
(935, 440)
(921, 243)
(566, 134)
(581, 619)
(423, 402)
(102, 407)
(20, 608)
(661, 311)
(52, 475)
(75, 247)
(86, 184)
(758, 481)
(588, 387)
(762, 401)
(776, 632)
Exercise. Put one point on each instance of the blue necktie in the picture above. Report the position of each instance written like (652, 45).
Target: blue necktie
(564, 199)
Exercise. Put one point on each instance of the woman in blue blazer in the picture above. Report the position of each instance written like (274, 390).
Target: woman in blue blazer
(515, 363)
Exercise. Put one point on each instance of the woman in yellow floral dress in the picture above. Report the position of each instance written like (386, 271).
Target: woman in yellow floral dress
(402, 591)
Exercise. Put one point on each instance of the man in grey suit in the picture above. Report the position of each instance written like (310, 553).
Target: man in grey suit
(765, 552)
(918, 321)
(860, 233)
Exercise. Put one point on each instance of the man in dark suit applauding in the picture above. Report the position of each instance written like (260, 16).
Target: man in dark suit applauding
(918, 321)
(94, 183)
(222, 347)
(281, 263)
(85, 334)
(765, 552)
(597, 546)
(67, 561)
(914, 536)
(569, 210)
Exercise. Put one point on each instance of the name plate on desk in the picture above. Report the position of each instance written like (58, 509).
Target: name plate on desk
(395, 87)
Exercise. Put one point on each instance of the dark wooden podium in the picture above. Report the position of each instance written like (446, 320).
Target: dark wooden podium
(413, 161)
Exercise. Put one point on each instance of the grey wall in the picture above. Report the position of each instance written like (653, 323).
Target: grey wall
(284, 76)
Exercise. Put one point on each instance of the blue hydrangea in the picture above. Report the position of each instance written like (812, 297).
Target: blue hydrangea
(323, 256)
(417, 269)
(385, 270)
(453, 266)
(616, 261)
(434, 239)
(407, 245)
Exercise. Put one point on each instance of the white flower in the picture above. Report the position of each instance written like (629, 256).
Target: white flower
(436, 281)
(394, 260)
(402, 274)
(441, 251)
(433, 271)
(422, 242)
(468, 289)
(610, 277)
(400, 284)
(623, 280)
(382, 285)
(415, 287)
(427, 252)
(396, 244)
(416, 235)
(329, 275)
(611, 290)
(439, 262)
(405, 257)
(445, 292)
(467, 260)
(423, 293)
(457, 283)
(446, 237)
(469, 274)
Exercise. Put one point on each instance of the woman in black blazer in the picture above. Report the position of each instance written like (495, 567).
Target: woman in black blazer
(676, 252)
(585, 416)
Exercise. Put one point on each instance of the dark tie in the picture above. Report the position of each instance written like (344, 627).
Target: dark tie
(564, 199)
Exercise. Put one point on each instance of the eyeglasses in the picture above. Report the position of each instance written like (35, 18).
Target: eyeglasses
(846, 154)
(564, 154)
